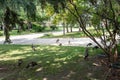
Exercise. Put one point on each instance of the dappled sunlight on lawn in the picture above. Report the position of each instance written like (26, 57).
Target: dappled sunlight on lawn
(27, 48)
(60, 59)
(15, 54)
(39, 69)
(54, 62)
(8, 55)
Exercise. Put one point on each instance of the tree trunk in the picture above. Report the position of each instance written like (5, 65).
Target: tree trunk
(6, 24)
(71, 30)
(6, 33)
(30, 26)
(115, 53)
(63, 28)
(111, 58)
(67, 28)
(80, 29)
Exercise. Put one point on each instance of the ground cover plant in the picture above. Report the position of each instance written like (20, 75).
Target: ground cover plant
(54, 63)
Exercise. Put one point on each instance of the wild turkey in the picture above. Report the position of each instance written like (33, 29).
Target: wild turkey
(33, 47)
(31, 64)
(69, 42)
(57, 40)
(95, 47)
(60, 44)
(86, 53)
(20, 62)
(89, 44)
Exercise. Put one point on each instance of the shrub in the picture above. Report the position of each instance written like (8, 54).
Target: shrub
(53, 27)
(38, 28)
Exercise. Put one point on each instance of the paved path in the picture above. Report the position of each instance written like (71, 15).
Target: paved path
(33, 39)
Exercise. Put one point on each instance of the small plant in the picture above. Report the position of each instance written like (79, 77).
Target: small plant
(38, 27)
(53, 27)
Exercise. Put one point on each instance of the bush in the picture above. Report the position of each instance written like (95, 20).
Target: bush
(38, 28)
(53, 27)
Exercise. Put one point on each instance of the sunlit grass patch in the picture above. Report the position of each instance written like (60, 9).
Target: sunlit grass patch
(77, 34)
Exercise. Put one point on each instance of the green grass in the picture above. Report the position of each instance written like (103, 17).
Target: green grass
(14, 32)
(54, 63)
(69, 35)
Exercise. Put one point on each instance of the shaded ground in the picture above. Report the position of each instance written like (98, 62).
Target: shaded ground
(79, 70)
(54, 63)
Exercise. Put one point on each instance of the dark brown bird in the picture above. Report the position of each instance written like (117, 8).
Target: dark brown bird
(31, 64)
(60, 44)
(20, 62)
(57, 40)
(69, 42)
(95, 47)
(33, 47)
(89, 44)
(86, 54)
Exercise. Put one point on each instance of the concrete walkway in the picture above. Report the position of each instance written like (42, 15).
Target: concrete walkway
(34, 39)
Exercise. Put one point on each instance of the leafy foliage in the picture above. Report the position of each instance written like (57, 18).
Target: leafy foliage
(103, 16)
(38, 28)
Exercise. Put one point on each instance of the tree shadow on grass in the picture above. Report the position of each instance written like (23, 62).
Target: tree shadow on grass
(54, 63)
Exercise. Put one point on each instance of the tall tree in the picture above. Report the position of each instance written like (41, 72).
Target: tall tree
(103, 15)
(10, 16)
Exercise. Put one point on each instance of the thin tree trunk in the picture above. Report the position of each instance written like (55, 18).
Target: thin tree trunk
(6, 24)
(80, 29)
(7, 35)
(67, 28)
(115, 53)
(63, 28)
(71, 30)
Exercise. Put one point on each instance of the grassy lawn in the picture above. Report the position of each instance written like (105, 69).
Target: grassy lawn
(14, 32)
(69, 35)
(54, 63)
